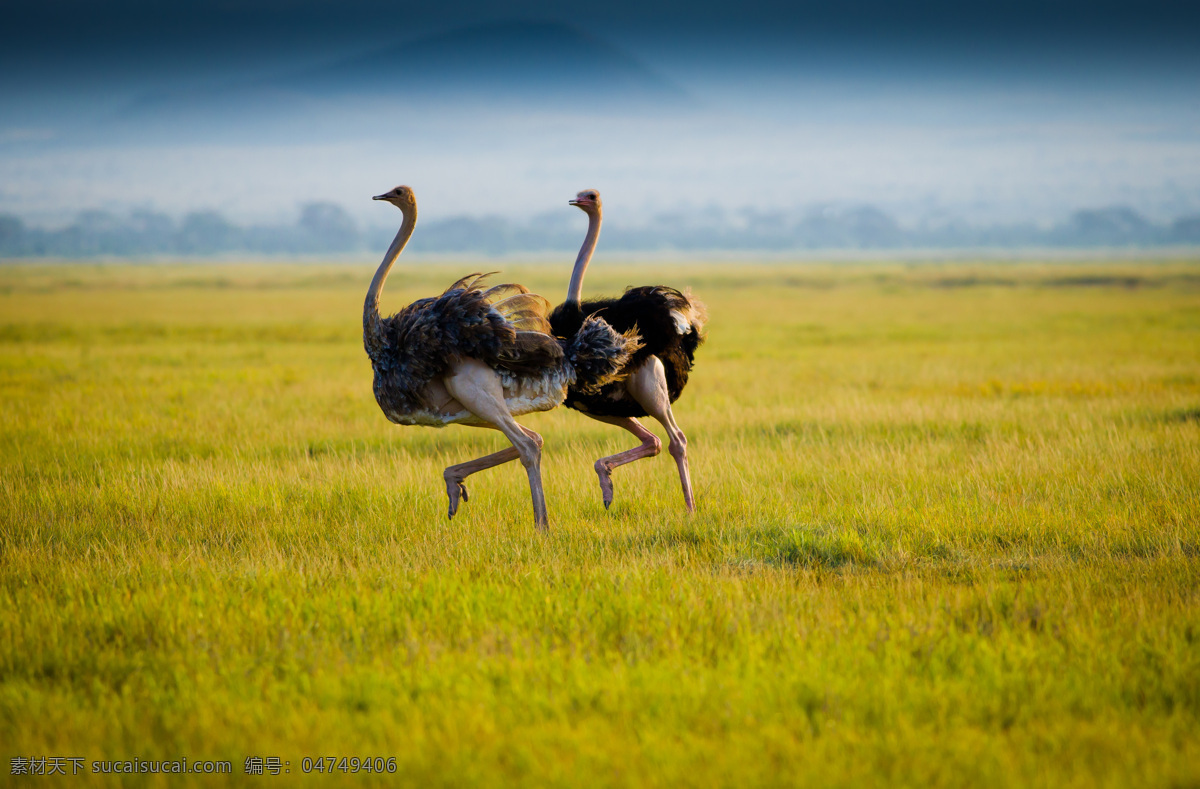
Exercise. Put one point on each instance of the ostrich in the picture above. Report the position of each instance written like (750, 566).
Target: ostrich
(670, 325)
(480, 357)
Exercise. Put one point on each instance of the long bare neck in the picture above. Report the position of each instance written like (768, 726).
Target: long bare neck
(575, 289)
(371, 329)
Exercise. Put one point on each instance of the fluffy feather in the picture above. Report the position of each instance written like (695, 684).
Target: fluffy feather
(505, 326)
(526, 311)
(415, 345)
(500, 292)
(657, 314)
(600, 355)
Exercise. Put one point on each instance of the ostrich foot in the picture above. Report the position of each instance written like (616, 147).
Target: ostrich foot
(455, 489)
(678, 450)
(606, 486)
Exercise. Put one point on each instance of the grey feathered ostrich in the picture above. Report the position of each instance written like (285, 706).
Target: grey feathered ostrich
(670, 325)
(480, 357)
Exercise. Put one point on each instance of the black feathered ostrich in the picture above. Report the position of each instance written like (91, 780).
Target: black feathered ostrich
(670, 325)
(480, 357)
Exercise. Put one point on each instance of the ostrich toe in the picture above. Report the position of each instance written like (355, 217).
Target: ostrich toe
(455, 490)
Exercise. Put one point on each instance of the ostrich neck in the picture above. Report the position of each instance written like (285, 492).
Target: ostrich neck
(575, 289)
(371, 328)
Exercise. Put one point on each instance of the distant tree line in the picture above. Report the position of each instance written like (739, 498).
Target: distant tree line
(321, 227)
(324, 228)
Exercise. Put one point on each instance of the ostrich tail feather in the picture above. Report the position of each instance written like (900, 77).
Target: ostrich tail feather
(471, 282)
(500, 292)
(696, 312)
(531, 353)
(525, 311)
(599, 354)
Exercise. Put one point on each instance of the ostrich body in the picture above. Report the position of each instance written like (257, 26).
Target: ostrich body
(670, 325)
(480, 357)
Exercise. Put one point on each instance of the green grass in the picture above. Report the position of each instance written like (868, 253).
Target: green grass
(946, 534)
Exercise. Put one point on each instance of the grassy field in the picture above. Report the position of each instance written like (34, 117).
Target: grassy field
(947, 533)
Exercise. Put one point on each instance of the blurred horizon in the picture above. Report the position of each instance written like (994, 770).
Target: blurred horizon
(939, 118)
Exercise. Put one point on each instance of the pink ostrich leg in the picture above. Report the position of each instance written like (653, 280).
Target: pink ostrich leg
(647, 385)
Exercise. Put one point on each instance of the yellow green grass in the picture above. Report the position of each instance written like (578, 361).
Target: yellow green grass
(947, 533)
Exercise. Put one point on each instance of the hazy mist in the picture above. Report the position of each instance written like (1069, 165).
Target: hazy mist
(942, 119)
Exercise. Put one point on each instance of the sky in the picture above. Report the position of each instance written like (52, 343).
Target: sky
(933, 111)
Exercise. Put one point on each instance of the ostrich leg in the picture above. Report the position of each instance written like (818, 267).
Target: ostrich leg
(478, 388)
(650, 446)
(648, 385)
(455, 476)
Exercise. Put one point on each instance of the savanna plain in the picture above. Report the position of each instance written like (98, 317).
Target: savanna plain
(947, 534)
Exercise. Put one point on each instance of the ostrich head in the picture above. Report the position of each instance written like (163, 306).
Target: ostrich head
(588, 201)
(402, 197)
